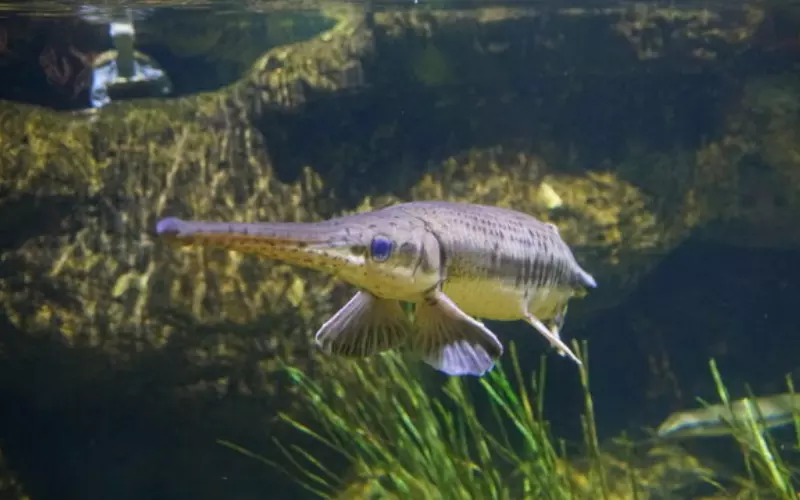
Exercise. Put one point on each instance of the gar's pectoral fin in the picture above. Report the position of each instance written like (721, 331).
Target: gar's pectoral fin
(450, 340)
(366, 325)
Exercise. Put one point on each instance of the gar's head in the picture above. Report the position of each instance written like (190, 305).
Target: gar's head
(391, 259)
(390, 255)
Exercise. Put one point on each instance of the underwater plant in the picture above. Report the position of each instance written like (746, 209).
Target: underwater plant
(401, 441)
(396, 436)
(768, 474)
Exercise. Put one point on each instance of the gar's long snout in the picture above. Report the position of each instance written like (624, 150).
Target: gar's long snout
(316, 245)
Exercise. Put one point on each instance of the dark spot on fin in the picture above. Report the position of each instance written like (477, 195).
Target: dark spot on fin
(450, 340)
(366, 325)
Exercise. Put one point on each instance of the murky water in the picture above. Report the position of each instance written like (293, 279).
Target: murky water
(660, 138)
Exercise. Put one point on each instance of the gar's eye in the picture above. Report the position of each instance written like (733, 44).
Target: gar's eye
(380, 248)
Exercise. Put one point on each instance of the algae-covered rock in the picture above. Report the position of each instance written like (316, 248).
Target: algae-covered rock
(751, 175)
(605, 40)
(94, 186)
(81, 194)
(662, 471)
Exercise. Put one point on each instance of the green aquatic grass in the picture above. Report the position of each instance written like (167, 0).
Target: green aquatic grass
(398, 437)
(402, 442)
(769, 476)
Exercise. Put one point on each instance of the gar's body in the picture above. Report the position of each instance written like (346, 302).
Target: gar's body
(452, 260)
(495, 259)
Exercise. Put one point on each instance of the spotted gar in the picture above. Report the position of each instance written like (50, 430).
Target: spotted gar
(453, 261)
